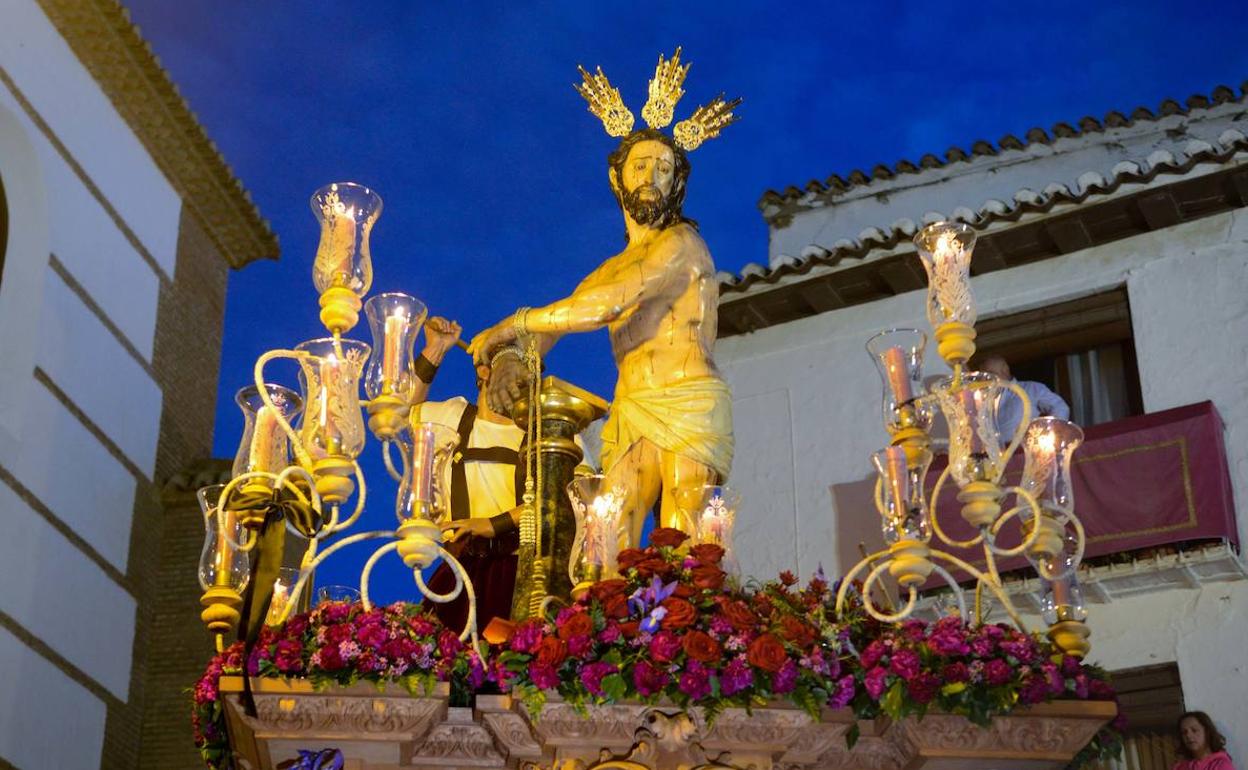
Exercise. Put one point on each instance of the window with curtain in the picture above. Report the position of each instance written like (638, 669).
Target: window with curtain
(1082, 349)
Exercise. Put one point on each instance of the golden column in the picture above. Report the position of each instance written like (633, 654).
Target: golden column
(565, 411)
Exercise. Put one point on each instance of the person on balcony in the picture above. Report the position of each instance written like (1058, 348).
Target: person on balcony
(1200, 744)
(1044, 402)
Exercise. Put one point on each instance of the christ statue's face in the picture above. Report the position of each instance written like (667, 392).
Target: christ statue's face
(648, 176)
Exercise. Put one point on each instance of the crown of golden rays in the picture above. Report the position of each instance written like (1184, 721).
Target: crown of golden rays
(665, 91)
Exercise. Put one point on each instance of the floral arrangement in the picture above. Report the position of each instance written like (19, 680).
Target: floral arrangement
(675, 627)
(339, 643)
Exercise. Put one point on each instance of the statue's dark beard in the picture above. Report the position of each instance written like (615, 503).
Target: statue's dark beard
(654, 212)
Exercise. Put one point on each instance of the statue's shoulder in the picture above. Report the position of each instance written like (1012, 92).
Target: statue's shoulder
(682, 238)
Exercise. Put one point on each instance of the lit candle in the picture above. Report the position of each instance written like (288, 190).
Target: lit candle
(391, 353)
(898, 374)
(422, 465)
(1061, 593)
(341, 244)
(898, 481)
(221, 558)
(972, 402)
(711, 523)
(947, 248)
(264, 441)
(277, 604)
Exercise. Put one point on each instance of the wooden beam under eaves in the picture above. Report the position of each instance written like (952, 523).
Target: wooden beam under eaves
(1069, 234)
(901, 276)
(820, 295)
(1159, 210)
(987, 257)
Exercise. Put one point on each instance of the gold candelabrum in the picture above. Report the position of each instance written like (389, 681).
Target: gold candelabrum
(1042, 518)
(307, 481)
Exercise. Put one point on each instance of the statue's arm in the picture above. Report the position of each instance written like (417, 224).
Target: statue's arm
(596, 303)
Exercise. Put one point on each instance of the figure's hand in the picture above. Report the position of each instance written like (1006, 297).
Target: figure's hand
(509, 380)
(487, 342)
(459, 529)
(440, 336)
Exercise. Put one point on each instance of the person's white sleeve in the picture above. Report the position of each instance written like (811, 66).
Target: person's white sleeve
(1049, 403)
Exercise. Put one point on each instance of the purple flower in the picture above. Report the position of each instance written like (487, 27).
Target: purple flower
(649, 680)
(956, 672)
(1034, 690)
(664, 646)
(844, 692)
(997, 672)
(872, 654)
(905, 664)
(334, 612)
(544, 677)
(647, 600)
(721, 626)
(1071, 666)
(592, 675)
(923, 687)
(288, 656)
(696, 681)
(874, 681)
(1021, 648)
(948, 642)
(913, 629)
(609, 634)
(476, 671)
(579, 646)
(449, 644)
(527, 637)
(785, 680)
(736, 676)
(1081, 686)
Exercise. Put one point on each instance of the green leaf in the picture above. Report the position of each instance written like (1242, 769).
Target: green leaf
(894, 700)
(852, 735)
(614, 687)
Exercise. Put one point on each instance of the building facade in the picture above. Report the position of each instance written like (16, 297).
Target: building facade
(120, 224)
(1112, 263)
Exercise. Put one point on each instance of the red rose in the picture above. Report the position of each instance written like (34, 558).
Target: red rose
(683, 591)
(739, 615)
(680, 614)
(788, 578)
(552, 652)
(615, 606)
(707, 553)
(652, 565)
(603, 590)
(664, 646)
(708, 577)
(796, 631)
(580, 624)
(700, 646)
(763, 606)
(628, 557)
(667, 537)
(630, 628)
(767, 652)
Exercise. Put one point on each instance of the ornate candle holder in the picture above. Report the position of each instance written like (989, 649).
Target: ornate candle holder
(1043, 512)
(390, 377)
(343, 269)
(599, 510)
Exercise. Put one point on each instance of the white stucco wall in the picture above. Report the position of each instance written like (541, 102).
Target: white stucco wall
(75, 459)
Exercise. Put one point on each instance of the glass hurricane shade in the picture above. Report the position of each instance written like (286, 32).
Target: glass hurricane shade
(221, 562)
(287, 577)
(1063, 600)
(710, 512)
(945, 251)
(898, 357)
(425, 491)
(395, 320)
(346, 212)
(333, 424)
(903, 505)
(264, 447)
(599, 509)
(1048, 446)
(970, 409)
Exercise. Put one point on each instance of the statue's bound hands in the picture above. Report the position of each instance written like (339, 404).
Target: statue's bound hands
(488, 342)
(509, 380)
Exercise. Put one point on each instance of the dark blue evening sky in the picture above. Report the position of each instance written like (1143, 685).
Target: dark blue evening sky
(463, 117)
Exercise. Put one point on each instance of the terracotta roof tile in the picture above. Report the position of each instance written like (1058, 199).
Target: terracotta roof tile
(1036, 135)
(1090, 183)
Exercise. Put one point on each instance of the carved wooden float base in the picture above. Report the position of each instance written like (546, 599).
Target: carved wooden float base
(391, 730)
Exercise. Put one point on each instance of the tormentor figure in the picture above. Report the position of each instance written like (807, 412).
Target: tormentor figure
(670, 424)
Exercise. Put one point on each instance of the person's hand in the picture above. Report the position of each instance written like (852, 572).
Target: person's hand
(440, 336)
(489, 341)
(460, 529)
(509, 381)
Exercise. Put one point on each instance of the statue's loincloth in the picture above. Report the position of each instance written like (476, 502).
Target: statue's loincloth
(692, 419)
